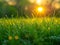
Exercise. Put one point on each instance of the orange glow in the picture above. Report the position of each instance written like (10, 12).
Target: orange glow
(40, 9)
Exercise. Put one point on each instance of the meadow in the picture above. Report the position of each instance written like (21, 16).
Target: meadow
(30, 31)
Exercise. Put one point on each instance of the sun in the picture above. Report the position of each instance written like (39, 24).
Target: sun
(40, 9)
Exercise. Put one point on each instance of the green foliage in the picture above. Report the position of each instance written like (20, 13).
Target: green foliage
(57, 13)
(11, 11)
(36, 31)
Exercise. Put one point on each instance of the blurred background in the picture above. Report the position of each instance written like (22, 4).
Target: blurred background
(29, 8)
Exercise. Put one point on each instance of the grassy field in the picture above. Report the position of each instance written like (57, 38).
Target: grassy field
(34, 31)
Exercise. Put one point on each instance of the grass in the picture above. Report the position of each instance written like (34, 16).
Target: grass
(34, 31)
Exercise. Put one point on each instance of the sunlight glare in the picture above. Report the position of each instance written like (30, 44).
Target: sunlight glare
(40, 9)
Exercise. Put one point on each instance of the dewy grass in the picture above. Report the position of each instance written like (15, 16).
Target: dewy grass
(36, 31)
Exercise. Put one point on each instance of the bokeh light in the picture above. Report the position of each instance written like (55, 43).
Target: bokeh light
(11, 3)
(26, 7)
(38, 2)
(31, 1)
(57, 6)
